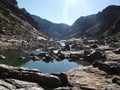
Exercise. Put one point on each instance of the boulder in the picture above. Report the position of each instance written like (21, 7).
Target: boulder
(94, 45)
(2, 57)
(14, 84)
(62, 77)
(110, 55)
(101, 65)
(35, 58)
(67, 47)
(116, 80)
(108, 66)
(93, 56)
(61, 56)
(114, 68)
(75, 56)
(117, 51)
(31, 75)
(21, 58)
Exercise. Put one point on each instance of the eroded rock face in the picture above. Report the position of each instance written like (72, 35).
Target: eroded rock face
(13, 84)
(90, 78)
(16, 22)
(33, 75)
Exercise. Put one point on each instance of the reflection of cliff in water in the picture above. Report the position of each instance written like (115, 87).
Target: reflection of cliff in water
(44, 65)
(52, 66)
(79, 62)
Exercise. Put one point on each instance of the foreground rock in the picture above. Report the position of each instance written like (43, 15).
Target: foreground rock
(90, 78)
(13, 84)
(32, 75)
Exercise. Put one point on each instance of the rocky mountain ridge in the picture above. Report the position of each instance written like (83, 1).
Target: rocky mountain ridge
(16, 22)
(104, 23)
(51, 29)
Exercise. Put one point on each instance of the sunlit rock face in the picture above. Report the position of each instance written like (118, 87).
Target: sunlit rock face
(15, 21)
(101, 24)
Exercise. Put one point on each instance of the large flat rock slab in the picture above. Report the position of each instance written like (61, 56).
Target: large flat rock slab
(30, 75)
(90, 78)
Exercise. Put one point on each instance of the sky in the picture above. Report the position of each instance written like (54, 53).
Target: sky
(65, 11)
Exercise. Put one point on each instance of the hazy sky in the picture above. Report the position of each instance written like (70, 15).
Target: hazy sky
(64, 11)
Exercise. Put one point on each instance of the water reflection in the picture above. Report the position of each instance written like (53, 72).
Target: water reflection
(44, 65)
(52, 66)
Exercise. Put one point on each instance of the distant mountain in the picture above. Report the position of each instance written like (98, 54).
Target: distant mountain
(104, 23)
(52, 30)
(16, 22)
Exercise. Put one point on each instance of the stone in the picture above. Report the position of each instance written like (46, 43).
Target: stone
(2, 57)
(21, 84)
(88, 88)
(91, 78)
(110, 55)
(94, 45)
(115, 68)
(117, 51)
(3, 88)
(21, 58)
(30, 75)
(14, 84)
(62, 77)
(35, 58)
(61, 56)
(6, 85)
(93, 56)
(116, 80)
(110, 67)
(74, 56)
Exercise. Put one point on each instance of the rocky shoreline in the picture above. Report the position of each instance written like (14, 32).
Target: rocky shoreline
(103, 74)
(12, 44)
(11, 78)
(86, 78)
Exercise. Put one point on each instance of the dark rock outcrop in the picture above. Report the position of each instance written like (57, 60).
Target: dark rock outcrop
(94, 56)
(116, 80)
(62, 77)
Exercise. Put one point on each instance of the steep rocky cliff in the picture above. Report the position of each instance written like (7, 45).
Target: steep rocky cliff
(104, 23)
(16, 22)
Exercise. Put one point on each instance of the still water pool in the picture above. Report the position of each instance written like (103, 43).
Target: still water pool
(55, 66)
(46, 67)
